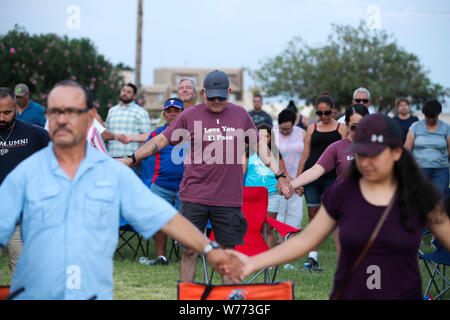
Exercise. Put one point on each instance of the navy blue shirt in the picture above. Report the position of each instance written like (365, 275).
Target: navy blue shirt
(405, 124)
(34, 114)
(24, 140)
(164, 168)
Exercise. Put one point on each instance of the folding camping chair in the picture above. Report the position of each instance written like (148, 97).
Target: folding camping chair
(254, 208)
(436, 263)
(6, 294)
(127, 234)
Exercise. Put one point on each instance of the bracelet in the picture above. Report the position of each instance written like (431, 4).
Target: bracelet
(280, 175)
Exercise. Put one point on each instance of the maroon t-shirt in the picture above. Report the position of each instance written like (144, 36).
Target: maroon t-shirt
(390, 270)
(336, 157)
(213, 166)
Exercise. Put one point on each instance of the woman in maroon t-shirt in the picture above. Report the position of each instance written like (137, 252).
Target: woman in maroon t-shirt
(381, 171)
(334, 157)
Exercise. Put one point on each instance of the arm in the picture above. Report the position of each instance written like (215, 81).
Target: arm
(150, 148)
(306, 150)
(182, 230)
(313, 173)
(244, 163)
(141, 138)
(439, 224)
(409, 142)
(316, 231)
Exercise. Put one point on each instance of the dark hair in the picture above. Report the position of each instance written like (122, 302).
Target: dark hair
(268, 127)
(286, 115)
(355, 108)
(431, 108)
(325, 99)
(5, 92)
(399, 100)
(291, 106)
(416, 194)
(129, 84)
(87, 93)
(257, 96)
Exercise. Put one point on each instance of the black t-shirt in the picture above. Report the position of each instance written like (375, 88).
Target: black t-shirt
(261, 117)
(405, 124)
(24, 140)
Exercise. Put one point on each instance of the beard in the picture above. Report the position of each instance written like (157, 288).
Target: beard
(5, 125)
(125, 100)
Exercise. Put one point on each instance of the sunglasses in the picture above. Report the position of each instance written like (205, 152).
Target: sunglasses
(326, 113)
(212, 99)
(362, 100)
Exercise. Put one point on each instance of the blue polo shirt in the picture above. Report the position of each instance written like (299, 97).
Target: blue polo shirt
(70, 227)
(165, 168)
(34, 114)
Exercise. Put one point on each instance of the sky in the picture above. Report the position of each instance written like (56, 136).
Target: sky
(232, 33)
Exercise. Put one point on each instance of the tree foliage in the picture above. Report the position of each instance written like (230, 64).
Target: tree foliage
(352, 58)
(40, 61)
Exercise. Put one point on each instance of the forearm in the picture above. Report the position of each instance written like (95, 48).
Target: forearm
(108, 135)
(308, 176)
(151, 147)
(141, 138)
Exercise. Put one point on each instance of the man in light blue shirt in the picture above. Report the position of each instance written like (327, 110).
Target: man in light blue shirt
(69, 199)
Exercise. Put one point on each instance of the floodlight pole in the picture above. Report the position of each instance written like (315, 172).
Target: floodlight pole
(137, 72)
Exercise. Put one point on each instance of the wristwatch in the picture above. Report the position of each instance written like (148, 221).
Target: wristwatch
(133, 157)
(210, 246)
(278, 176)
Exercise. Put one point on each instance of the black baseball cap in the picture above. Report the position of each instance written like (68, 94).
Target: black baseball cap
(374, 133)
(216, 84)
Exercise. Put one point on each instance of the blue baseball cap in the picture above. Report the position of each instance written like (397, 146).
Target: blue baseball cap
(174, 102)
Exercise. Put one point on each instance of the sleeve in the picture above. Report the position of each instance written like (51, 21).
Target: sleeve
(141, 208)
(12, 192)
(100, 128)
(332, 199)
(413, 127)
(328, 158)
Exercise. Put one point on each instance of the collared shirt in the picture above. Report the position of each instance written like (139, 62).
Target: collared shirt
(70, 227)
(131, 120)
(34, 114)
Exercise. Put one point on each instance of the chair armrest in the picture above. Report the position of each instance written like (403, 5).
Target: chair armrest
(282, 228)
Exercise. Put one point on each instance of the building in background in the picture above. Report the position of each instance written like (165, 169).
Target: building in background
(166, 85)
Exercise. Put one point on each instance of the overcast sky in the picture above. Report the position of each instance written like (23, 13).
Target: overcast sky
(232, 33)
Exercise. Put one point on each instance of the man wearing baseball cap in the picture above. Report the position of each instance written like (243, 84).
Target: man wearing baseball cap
(28, 110)
(162, 175)
(212, 184)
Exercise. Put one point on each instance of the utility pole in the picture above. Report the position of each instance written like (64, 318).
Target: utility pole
(137, 72)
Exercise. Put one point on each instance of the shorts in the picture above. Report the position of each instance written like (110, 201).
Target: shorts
(228, 223)
(315, 190)
(274, 202)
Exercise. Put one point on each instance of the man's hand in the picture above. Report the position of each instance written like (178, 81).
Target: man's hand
(126, 161)
(226, 264)
(125, 139)
(246, 267)
(300, 191)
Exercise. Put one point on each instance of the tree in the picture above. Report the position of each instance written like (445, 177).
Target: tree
(40, 61)
(352, 58)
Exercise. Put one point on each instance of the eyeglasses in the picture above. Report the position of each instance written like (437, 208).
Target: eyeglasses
(71, 112)
(325, 113)
(285, 129)
(362, 100)
(353, 127)
(212, 99)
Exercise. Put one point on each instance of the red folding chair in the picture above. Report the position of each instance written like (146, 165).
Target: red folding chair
(254, 208)
(4, 292)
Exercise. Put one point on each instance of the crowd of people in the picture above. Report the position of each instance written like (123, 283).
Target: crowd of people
(66, 188)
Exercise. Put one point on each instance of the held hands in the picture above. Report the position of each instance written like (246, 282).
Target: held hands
(126, 161)
(285, 188)
(246, 267)
(226, 264)
(124, 138)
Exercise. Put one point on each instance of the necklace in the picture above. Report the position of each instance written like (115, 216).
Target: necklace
(5, 150)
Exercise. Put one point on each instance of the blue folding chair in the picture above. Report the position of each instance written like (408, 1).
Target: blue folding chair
(127, 234)
(436, 263)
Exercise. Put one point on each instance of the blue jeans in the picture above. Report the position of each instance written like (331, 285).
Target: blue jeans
(172, 197)
(439, 177)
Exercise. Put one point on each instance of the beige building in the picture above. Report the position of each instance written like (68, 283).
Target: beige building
(166, 85)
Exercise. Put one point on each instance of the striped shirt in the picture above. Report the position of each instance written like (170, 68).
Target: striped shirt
(131, 120)
(94, 136)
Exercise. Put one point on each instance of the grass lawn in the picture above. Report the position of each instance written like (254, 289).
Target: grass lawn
(134, 281)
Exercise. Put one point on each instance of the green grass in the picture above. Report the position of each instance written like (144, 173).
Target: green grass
(134, 281)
